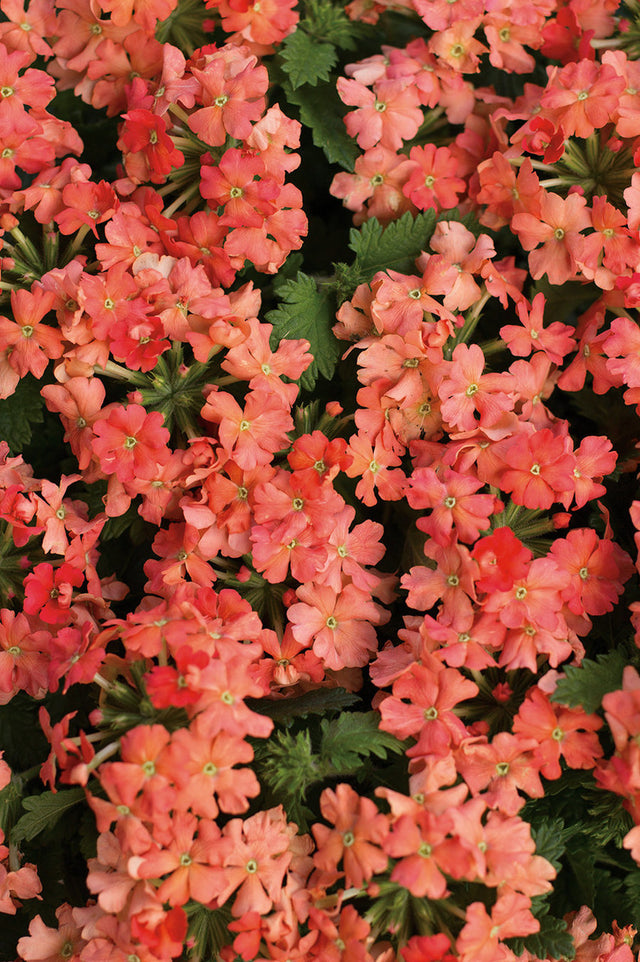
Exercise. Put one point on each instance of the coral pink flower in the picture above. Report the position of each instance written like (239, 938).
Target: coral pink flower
(185, 859)
(29, 342)
(499, 769)
(422, 705)
(469, 397)
(253, 435)
(356, 838)
(432, 179)
(560, 732)
(456, 508)
(598, 569)
(480, 939)
(555, 340)
(255, 860)
(387, 117)
(557, 228)
(130, 442)
(537, 468)
(341, 626)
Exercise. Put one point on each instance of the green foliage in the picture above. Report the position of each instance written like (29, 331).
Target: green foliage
(322, 111)
(550, 838)
(551, 942)
(609, 821)
(324, 21)
(379, 248)
(632, 890)
(587, 684)
(306, 60)
(209, 930)
(290, 765)
(43, 811)
(351, 737)
(10, 799)
(315, 702)
(128, 523)
(306, 311)
(309, 53)
(20, 412)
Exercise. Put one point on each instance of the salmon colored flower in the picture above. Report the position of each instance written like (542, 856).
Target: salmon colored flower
(356, 838)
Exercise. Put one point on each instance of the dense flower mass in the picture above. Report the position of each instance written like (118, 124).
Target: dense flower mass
(319, 519)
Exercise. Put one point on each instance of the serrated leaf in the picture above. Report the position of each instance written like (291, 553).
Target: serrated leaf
(20, 412)
(306, 60)
(394, 247)
(328, 22)
(311, 703)
(322, 111)
(43, 811)
(553, 941)
(288, 763)
(307, 312)
(550, 839)
(632, 886)
(352, 737)
(586, 685)
(609, 820)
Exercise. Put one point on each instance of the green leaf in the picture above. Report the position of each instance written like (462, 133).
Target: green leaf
(632, 886)
(315, 702)
(306, 60)
(20, 412)
(609, 821)
(552, 941)
(394, 247)
(322, 111)
(351, 737)
(307, 312)
(586, 685)
(289, 765)
(324, 21)
(550, 838)
(10, 798)
(209, 929)
(43, 811)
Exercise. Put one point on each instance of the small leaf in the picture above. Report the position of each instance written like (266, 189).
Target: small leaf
(20, 412)
(551, 942)
(394, 247)
(43, 811)
(322, 111)
(586, 685)
(550, 838)
(315, 702)
(307, 312)
(352, 737)
(306, 60)
(328, 22)
(632, 886)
